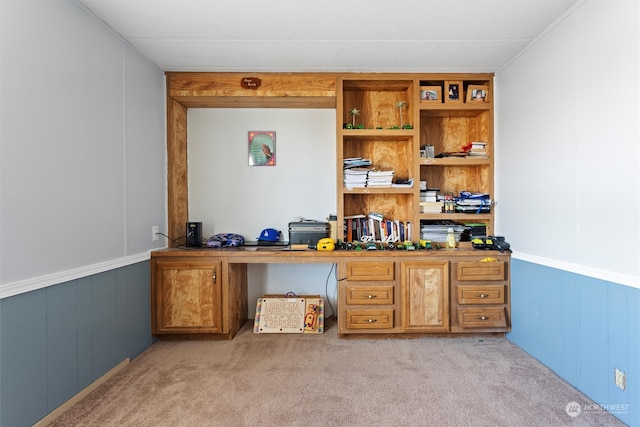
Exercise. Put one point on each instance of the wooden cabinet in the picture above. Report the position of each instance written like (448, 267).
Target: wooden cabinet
(193, 296)
(481, 295)
(425, 290)
(187, 297)
(381, 117)
(368, 298)
(384, 118)
(448, 126)
(382, 131)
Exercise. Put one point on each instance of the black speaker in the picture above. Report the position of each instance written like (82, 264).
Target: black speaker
(194, 234)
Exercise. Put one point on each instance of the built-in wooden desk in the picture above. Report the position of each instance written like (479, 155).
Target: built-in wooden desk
(202, 292)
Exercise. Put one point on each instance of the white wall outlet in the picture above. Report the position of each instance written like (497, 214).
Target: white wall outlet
(154, 233)
(620, 378)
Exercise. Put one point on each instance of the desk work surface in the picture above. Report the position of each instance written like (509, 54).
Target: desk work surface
(258, 254)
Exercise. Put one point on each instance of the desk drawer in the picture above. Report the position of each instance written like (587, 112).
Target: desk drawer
(485, 317)
(481, 294)
(370, 270)
(369, 295)
(481, 270)
(370, 319)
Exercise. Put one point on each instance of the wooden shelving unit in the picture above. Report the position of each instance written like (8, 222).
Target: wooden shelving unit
(445, 124)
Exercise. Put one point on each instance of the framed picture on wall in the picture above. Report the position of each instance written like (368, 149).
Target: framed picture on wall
(262, 148)
(476, 93)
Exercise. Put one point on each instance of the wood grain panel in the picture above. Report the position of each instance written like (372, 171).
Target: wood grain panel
(177, 170)
(229, 85)
(426, 295)
(371, 270)
(187, 297)
(370, 295)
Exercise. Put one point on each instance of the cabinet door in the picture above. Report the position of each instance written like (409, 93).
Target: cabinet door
(425, 287)
(187, 297)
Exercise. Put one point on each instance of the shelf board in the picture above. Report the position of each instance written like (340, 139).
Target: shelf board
(468, 217)
(456, 161)
(438, 108)
(378, 133)
(383, 190)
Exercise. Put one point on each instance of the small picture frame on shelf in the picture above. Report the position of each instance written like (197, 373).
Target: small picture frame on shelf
(430, 94)
(477, 93)
(452, 91)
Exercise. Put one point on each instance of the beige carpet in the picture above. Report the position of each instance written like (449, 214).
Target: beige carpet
(303, 380)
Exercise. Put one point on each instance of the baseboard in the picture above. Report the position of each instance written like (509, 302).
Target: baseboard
(53, 415)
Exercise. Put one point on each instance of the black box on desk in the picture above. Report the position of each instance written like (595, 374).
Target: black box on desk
(476, 229)
(308, 232)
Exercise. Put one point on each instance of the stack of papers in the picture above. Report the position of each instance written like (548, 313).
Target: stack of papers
(355, 162)
(379, 178)
(355, 177)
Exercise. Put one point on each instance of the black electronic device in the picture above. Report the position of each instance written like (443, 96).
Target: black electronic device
(194, 234)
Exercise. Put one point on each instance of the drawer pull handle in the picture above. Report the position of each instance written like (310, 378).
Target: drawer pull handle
(482, 295)
(371, 296)
(482, 317)
(214, 277)
(372, 320)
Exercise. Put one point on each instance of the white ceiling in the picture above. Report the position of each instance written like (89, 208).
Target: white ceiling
(331, 35)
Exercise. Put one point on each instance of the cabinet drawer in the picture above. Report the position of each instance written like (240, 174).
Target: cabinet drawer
(481, 270)
(376, 270)
(370, 295)
(370, 319)
(481, 294)
(489, 317)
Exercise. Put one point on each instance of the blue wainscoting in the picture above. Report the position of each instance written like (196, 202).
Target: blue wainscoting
(581, 328)
(56, 341)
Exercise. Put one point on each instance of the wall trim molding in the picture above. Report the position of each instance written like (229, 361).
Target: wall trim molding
(35, 283)
(597, 273)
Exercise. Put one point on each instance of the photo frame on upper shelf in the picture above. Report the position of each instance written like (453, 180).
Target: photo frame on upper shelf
(262, 148)
(430, 94)
(452, 91)
(477, 93)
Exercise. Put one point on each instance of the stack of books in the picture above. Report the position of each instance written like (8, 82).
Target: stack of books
(429, 201)
(378, 179)
(473, 202)
(355, 177)
(478, 149)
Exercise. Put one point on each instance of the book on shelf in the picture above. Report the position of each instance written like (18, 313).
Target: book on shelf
(375, 226)
(431, 207)
(478, 149)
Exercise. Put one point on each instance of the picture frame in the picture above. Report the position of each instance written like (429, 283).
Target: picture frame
(430, 94)
(477, 93)
(452, 91)
(262, 148)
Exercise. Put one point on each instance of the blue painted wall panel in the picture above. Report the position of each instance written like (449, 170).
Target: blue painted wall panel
(56, 341)
(569, 306)
(138, 309)
(633, 322)
(106, 351)
(62, 340)
(593, 362)
(596, 324)
(85, 332)
(24, 359)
